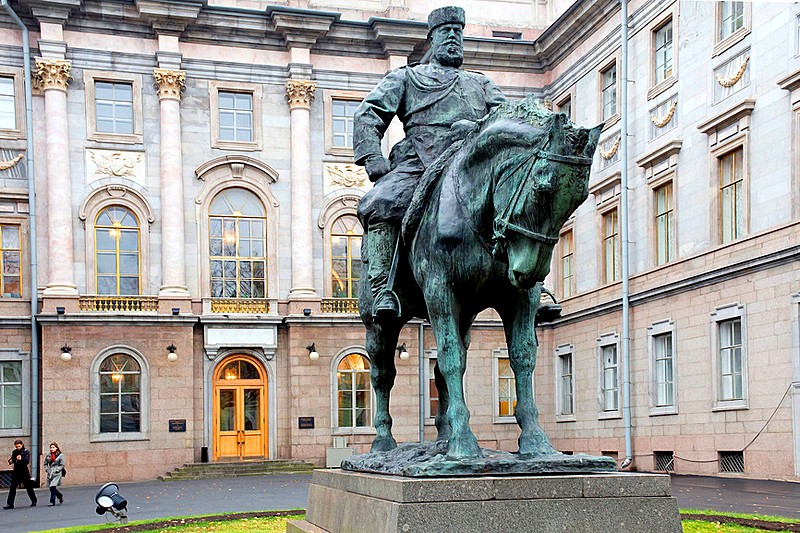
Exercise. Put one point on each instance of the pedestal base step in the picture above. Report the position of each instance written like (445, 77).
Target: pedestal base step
(351, 502)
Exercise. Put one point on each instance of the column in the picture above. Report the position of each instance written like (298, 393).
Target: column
(300, 94)
(173, 248)
(55, 75)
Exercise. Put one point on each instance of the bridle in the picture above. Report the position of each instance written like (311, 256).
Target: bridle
(502, 223)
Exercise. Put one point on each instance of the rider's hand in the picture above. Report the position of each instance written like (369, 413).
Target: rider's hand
(376, 166)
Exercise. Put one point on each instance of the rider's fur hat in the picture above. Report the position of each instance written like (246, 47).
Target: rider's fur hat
(445, 15)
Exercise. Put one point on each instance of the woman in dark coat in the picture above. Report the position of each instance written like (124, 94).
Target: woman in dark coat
(54, 465)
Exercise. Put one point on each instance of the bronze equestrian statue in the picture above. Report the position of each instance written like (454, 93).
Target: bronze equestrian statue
(479, 189)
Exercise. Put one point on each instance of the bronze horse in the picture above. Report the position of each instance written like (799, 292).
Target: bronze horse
(483, 236)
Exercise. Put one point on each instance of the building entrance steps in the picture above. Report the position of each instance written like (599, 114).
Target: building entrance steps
(237, 469)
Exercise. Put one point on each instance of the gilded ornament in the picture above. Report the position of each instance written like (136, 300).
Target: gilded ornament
(300, 93)
(733, 80)
(169, 82)
(663, 121)
(5, 165)
(609, 154)
(115, 164)
(53, 73)
(347, 175)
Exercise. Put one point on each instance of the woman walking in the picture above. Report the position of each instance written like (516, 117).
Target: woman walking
(54, 465)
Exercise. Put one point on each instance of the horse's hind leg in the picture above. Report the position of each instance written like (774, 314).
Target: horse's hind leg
(522, 345)
(381, 343)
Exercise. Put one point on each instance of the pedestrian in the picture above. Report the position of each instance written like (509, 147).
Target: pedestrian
(20, 458)
(54, 464)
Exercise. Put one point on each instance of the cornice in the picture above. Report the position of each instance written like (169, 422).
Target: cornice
(729, 116)
(790, 82)
(301, 27)
(659, 153)
(51, 11)
(169, 16)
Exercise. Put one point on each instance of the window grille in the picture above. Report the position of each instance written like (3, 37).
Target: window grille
(731, 462)
(665, 461)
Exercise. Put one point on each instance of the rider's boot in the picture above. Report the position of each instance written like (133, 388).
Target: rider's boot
(381, 243)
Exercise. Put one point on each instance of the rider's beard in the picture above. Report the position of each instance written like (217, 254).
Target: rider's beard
(449, 55)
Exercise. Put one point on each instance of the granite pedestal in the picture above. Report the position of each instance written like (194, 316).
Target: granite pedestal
(620, 502)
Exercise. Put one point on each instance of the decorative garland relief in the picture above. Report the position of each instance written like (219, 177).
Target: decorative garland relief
(609, 154)
(733, 80)
(663, 121)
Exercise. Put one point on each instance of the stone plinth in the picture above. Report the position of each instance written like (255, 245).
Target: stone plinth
(355, 502)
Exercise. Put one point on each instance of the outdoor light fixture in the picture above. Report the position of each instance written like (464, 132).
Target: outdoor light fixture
(313, 354)
(176, 311)
(402, 352)
(66, 353)
(110, 501)
(171, 356)
(61, 310)
(307, 311)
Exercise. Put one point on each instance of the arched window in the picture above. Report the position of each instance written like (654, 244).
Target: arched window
(120, 394)
(346, 234)
(116, 233)
(354, 392)
(237, 245)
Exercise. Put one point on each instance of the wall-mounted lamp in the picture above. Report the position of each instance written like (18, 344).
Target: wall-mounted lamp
(176, 311)
(66, 353)
(307, 311)
(313, 354)
(61, 310)
(172, 356)
(402, 352)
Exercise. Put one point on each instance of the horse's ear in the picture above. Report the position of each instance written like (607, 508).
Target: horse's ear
(594, 136)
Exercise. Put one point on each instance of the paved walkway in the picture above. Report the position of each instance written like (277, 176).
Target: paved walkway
(156, 499)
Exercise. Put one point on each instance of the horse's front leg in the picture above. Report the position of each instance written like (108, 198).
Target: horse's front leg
(381, 343)
(452, 361)
(441, 420)
(522, 346)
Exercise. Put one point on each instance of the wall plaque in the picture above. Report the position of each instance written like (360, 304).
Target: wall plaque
(177, 425)
(305, 422)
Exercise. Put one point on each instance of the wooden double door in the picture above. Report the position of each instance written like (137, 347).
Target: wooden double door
(240, 410)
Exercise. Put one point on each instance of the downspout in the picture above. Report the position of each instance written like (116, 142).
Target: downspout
(421, 383)
(623, 155)
(34, 290)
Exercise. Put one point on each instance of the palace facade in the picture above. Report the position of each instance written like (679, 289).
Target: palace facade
(196, 253)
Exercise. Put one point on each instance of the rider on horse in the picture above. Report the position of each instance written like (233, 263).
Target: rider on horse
(437, 103)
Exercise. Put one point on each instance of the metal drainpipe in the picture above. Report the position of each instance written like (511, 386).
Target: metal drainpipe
(623, 155)
(421, 383)
(26, 55)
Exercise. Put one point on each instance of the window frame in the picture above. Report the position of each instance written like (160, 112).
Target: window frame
(328, 97)
(144, 397)
(118, 274)
(497, 355)
(617, 243)
(721, 44)
(657, 87)
(430, 356)
(19, 130)
(561, 256)
(657, 329)
(11, 355)
(345, 204)
(256, 91)
(561, 352)
(670, 224)
(90, 77)
(740, 195)
(604, 341)
(353, 275)
(566, 96)
(335, 428)
(613, 118)
(721, 315)
(21, 276)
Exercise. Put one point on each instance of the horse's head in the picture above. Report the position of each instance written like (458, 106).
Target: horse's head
(540, 175)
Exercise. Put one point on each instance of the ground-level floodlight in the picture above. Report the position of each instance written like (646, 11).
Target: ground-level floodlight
(110, 501)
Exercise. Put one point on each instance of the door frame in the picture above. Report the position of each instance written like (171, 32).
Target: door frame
(267, 365)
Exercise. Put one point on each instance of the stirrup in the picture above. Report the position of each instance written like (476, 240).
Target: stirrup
(386, 305)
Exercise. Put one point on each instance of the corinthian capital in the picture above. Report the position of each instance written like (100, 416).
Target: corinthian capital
(53, 73)
(300, 93)
(169, 83)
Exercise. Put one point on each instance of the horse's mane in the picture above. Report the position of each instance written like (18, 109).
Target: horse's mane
(529, 109)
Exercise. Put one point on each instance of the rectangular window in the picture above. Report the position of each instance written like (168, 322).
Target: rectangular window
(730, 360)
(113, 107)
(8, 109)
(664, 382)
(663, 52)
(342, 112)
(732, 18)
(11, 261)
(609, 77)
(610, 378)
(10, 395)
(664, 218)
(611, 246)
(566, 403)
(235, 116)
(506, 388)
(567, 264)
(565, 106)
(731, 192)
(433, 392)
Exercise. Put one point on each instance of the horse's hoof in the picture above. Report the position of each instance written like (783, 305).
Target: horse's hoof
(537, 446)
(383, 444)
(463, 448)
